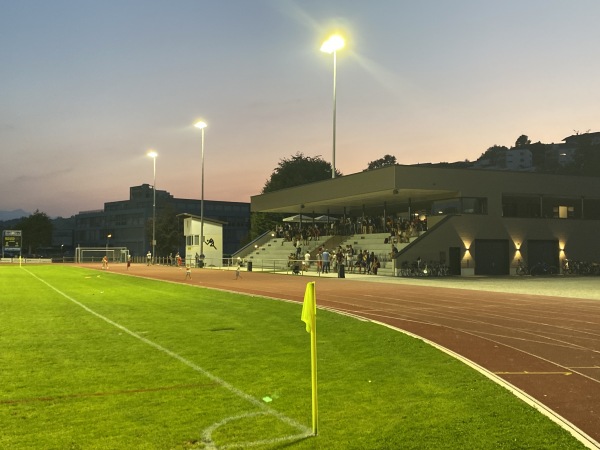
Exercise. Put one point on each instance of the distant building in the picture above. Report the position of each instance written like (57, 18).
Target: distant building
(62, 234)
(518, 159)
(128, 221)
(585, 138)
(562, 154)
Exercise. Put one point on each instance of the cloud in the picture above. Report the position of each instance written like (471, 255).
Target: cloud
(30, 178)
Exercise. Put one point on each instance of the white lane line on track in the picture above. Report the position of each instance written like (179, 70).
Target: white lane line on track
(443, 319)
(374, 317)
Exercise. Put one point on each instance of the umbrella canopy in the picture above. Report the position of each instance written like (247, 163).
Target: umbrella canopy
(298, 218)
(324, 219)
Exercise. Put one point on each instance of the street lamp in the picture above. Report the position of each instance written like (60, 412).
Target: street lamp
(202, 126)
(152, 154)
(108, 236)
(332, 45)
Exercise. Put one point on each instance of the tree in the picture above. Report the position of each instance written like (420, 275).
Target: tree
(261, 222)
(37, 231)
(296, 171)
(169, 232)
(538, 156)
(387, 160)
(496, 154)
(522, 141)
(587, 157)
(290, 172)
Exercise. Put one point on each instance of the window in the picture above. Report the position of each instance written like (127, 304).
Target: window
(564, 212)
(591, 209)
(561, 208)
(461, 205)
(538, 206)
(527, 206)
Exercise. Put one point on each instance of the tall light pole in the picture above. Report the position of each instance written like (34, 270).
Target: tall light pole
(202, 126)
(152, 154)
(108, 236)
(332, 45)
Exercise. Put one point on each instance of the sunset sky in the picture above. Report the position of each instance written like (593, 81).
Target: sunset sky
(88, 87)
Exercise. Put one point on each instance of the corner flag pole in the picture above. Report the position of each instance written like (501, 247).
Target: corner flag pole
(309, 311)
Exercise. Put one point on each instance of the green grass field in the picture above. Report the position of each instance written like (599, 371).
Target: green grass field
(94, 360)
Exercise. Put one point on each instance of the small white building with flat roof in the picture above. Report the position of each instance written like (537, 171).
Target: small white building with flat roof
(211, 248)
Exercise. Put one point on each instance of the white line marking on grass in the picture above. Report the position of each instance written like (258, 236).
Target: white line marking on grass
(207, 433)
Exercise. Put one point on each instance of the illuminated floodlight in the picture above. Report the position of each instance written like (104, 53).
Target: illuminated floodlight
(333, 44)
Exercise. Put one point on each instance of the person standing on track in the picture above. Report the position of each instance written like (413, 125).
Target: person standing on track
(325, 257)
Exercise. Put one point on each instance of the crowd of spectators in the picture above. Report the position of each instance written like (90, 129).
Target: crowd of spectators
(399, 231)
(326, 261)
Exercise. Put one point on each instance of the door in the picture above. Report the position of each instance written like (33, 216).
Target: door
(491, 257)
(454, 257)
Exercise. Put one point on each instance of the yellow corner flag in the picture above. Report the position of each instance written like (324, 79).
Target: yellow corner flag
(309, 308)
(309, 312)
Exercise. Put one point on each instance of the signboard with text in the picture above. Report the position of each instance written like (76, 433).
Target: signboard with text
(12, 240)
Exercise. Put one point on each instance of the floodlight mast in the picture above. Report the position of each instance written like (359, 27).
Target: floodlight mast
(202, 125)
(152, 154)
(331, 46)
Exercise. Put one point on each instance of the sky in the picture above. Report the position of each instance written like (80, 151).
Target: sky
(88, 87)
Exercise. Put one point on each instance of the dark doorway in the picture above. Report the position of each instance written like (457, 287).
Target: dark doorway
(542, 252)
(454, 257)
(491, 257)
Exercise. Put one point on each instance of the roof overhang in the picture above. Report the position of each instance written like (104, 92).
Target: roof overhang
(375, 189)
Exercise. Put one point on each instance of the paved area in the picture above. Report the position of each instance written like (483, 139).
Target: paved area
(539, 335)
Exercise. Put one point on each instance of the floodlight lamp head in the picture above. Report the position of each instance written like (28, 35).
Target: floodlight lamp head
(333, 44)
(200, 125)
(152, 154)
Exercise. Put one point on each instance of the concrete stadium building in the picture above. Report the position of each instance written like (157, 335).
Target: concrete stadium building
(479, 222)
